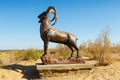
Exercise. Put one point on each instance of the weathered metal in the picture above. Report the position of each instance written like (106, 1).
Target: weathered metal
(50, 33)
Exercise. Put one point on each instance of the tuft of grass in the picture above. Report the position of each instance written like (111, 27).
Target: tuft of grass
(3, 76)
(1, 64)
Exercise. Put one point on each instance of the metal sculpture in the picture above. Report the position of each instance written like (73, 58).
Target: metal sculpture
(49, 33)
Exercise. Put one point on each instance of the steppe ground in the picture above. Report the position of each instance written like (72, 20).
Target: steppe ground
(26, 70)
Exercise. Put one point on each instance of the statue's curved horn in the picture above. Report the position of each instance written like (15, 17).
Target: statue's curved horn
(52, 9)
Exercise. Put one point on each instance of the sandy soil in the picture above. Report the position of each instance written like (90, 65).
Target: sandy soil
(111, 72)
(26, 70)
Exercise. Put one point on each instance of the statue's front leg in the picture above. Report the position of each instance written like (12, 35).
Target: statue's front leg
(45, 48)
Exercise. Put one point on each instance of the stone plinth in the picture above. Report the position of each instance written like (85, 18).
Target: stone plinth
(63, 67)
(53, 70)
(60, 66)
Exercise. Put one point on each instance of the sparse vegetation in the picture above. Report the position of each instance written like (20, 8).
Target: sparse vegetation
(60, 51)
(14, 56)
(29, 54)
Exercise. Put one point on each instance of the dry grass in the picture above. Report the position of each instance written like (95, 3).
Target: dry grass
(100, 49)
(60, 51)
(29, 54)
(14, 56)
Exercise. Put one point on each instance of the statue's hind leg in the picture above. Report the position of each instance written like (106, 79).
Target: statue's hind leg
(74, 45)
(77, 50)
(72, 50)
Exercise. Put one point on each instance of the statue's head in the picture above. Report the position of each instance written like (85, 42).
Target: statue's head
(42, 16)
(45, 15)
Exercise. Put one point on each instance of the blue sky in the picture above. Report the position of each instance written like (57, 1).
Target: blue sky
(19, 27)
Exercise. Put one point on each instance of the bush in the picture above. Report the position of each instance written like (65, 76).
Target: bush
(103, 43)
(99, 49)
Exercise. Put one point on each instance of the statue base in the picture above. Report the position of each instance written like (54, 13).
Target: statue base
(50, 59)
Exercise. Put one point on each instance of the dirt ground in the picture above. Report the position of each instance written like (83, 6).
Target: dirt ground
(110, 72)
(26, 70)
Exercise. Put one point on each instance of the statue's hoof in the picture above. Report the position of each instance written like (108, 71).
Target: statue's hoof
(70, 58)
(78, 56)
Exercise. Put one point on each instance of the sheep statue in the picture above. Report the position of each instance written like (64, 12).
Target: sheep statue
(49, 33)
